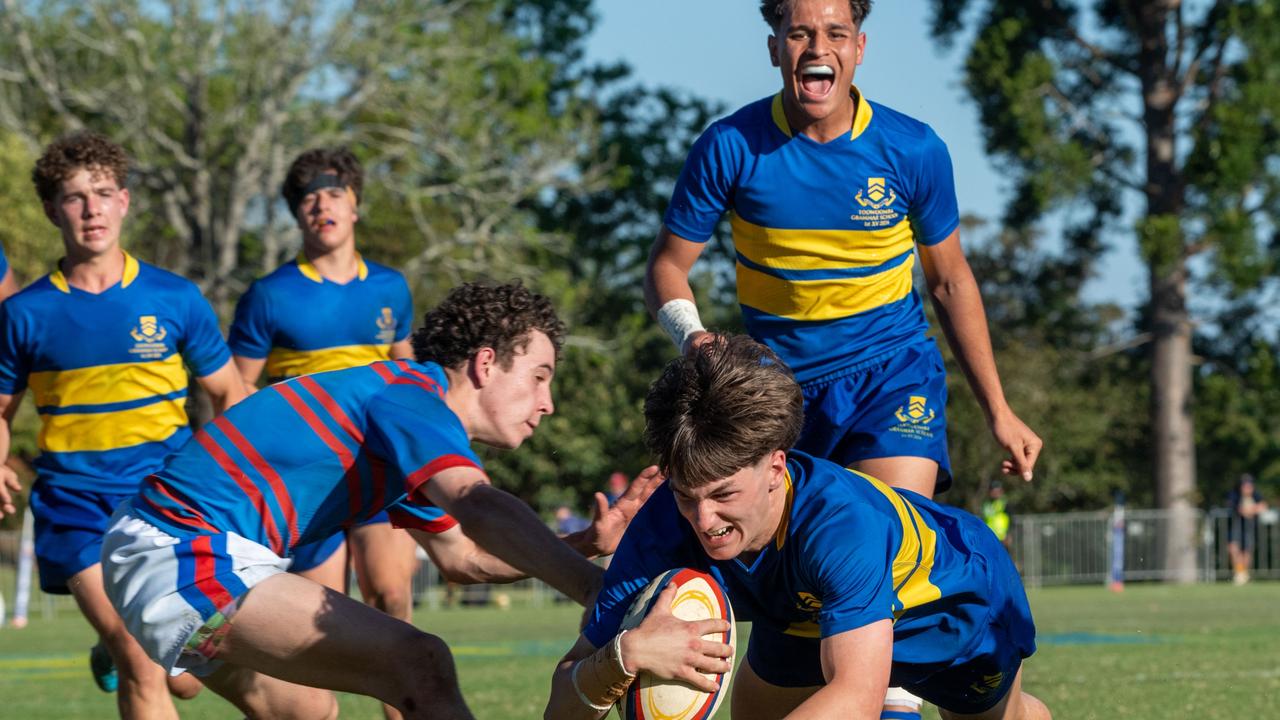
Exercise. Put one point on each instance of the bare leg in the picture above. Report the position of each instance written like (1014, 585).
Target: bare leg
(755, 699)
(1015, 705)
(142, 693)
(262, 696)
(298, 631)
(332, 573)
(917, 474)
(385, 560)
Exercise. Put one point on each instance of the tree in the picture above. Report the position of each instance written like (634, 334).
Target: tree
(1152, 102)
(213, 100)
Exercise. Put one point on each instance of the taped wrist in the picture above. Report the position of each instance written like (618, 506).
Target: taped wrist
(680, 319)
(600, 678)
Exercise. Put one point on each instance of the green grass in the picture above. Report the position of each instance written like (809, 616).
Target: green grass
(1205, 652)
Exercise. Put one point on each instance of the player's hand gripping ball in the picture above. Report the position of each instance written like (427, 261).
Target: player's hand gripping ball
(698, 597)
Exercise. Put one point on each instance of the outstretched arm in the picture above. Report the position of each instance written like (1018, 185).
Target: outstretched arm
(856, 665)
(955, 296)
(504, 525)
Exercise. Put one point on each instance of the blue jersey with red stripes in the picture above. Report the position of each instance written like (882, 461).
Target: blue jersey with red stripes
(299, 460)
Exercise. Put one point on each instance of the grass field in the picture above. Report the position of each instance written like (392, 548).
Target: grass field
(1201, 652)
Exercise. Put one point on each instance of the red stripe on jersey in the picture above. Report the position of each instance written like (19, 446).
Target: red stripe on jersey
(350, 473)
(195, 520)
(333, 408)
(246, 485)
(207, 581)
(402, 519)
(419, 477)
(384, 371)
(264, 468)
(425, 380)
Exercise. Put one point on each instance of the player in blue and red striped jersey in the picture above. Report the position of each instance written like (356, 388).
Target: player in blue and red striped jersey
(195, 562)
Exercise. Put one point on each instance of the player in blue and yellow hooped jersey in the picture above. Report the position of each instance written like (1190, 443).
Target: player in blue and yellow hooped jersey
(331, 309)
(101, 342)
(833, 198)
(195, 562)
(849, 584)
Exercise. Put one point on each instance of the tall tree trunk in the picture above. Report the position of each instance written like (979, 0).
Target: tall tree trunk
(1172, 428)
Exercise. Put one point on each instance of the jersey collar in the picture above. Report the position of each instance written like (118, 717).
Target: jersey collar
(130, 274)
(780, 537)
(310, 272)
(861, 114)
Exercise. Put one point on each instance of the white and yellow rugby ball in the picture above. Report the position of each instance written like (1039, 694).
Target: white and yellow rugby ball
(698, 597)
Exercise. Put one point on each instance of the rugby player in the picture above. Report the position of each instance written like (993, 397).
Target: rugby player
(195, 561)
(102, 341)
(849, 584)
(832, 197)
(330, 309)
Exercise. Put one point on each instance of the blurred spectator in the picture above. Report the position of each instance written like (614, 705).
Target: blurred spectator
(568, 522)
(617, 486)
(995, 512)
(1246, 504)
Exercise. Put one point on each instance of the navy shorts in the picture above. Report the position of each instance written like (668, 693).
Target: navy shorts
(69, 526)
(892, 406)
(312, 555)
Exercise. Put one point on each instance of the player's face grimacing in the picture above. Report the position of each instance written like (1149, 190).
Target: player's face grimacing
(818, 48)
(739, 514)
(327, 218)
(89, 209)
(514, 400)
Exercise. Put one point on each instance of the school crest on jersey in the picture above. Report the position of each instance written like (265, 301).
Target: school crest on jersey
(386, 326)
(914, 418)
(148, 338)
(875, 204)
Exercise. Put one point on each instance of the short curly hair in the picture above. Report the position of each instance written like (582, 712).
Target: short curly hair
(319, 161)
(475, 316)
(721, 408)
(83, 150)
(773, 10)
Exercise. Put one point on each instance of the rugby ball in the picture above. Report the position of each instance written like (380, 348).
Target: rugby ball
(698, 597)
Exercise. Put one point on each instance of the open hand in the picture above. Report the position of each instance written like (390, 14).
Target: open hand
(674, 649)
(9, 487)
(609, 523)
(1020, 442)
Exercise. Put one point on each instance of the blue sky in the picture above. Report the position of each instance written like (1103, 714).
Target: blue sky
(716, 48)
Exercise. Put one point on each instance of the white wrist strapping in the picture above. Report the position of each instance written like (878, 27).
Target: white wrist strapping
(680, 319)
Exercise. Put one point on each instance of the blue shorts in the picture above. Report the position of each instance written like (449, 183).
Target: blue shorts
(892, 406)
(69, 525)
(312, 555)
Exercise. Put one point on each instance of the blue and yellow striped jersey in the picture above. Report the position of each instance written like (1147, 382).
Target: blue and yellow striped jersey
(825, 234)
(106, 371)
(302, 323)
(850, 551)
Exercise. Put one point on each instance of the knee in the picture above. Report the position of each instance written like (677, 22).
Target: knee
(393, 601)
(426, 676)
(185, 686)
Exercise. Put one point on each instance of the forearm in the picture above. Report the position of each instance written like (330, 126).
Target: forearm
(508, 529)
(585, 688)
(665, 281)
(964, 322)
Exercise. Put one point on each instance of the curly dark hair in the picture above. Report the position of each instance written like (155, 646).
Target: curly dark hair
(476, 316)
(83, 150)
(773, 10)
(721, 408)
(319, 161)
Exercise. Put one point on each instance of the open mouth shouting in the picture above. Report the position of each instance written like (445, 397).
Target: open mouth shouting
(816, 81)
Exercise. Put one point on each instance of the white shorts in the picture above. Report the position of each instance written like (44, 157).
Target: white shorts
(177, 595)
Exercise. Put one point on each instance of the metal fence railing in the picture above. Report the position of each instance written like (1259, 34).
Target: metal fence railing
(1049, 549)
(1075, 548)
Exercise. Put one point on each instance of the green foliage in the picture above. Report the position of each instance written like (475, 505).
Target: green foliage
(30, 242)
